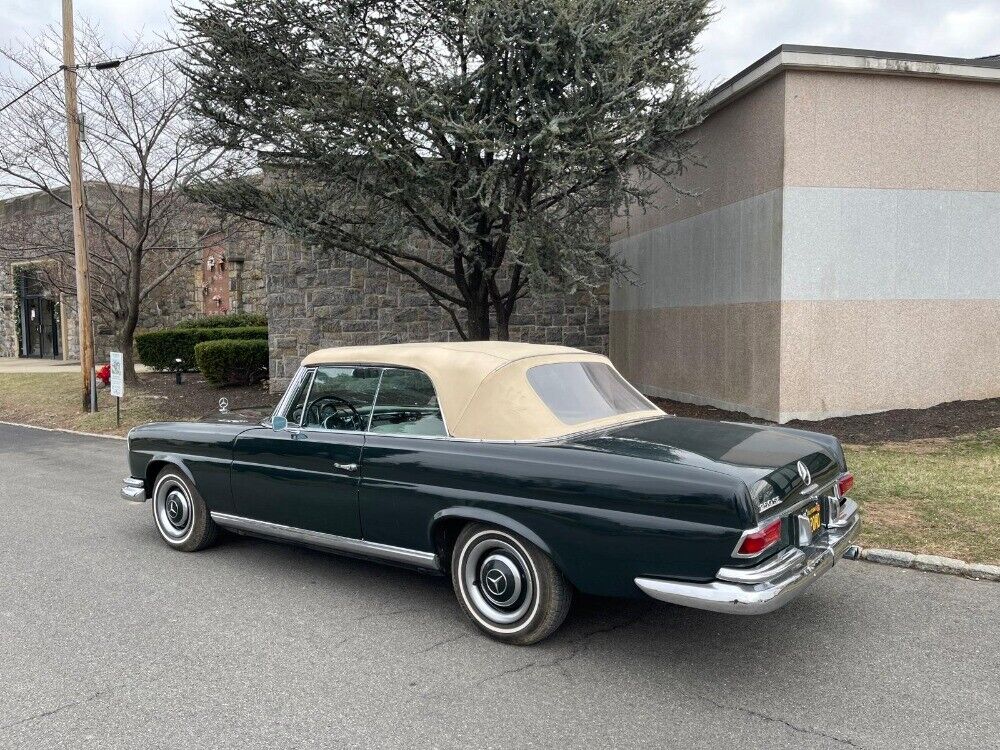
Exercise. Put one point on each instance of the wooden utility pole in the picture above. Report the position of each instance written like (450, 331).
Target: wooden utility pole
(79, 212)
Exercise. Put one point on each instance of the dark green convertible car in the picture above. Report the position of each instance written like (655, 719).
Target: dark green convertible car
(525, 472)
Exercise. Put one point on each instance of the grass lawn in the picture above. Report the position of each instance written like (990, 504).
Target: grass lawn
(939, 496)
(53, 400)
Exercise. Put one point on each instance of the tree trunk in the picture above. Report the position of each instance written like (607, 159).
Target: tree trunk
(503, 323)
(478, 327)
(125, 335)
(125, 343)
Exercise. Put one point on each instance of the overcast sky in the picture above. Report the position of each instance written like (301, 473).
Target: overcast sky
(742, 32)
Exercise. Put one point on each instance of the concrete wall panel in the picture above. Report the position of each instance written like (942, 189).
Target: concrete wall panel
(740, 148)
(729, 255)
(862, 244)
(882, 131)
(854, 357)
(724, 355)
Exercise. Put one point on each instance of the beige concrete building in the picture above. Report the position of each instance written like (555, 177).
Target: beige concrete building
(842, 255)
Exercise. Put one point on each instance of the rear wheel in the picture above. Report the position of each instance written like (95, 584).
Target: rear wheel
(507, 586)
(181, 516)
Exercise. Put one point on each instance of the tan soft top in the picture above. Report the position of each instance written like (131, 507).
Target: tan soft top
(482, 386)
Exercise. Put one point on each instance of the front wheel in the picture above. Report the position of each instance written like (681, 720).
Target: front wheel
(181, 516)
(508, 587)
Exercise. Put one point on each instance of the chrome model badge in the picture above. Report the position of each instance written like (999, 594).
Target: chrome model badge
(804, 473)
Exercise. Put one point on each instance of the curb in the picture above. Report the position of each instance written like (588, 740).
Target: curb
(928, 563)
(62, 429)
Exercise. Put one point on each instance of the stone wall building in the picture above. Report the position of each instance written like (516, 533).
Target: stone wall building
(842, 254)
(37, 304)
(315, 299)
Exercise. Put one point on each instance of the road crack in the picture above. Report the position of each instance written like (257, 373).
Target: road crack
(778, 720)
(576, 648)
(442, 642)
(54, 711)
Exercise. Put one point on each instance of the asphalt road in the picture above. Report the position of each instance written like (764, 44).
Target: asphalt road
(109, 639)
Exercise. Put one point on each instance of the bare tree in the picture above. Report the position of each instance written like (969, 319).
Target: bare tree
(137, 158)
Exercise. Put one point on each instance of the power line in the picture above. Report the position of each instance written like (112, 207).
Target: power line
(115, 62)
(24, 93)
(102, 65)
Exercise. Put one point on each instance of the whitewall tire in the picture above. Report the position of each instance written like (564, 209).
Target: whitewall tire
(180, 513)
(507, 586)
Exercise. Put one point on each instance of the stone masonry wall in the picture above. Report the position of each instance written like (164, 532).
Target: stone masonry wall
(316, 299)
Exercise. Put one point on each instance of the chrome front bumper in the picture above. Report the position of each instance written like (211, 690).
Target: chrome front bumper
(770, 585)
(133, 490)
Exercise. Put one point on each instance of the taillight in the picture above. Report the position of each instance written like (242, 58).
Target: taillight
(844, 483)
(756, 542)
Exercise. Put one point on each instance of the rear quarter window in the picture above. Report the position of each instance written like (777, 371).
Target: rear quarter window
(578, 392)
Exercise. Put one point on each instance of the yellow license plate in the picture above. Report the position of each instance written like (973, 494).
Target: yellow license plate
(813, 514)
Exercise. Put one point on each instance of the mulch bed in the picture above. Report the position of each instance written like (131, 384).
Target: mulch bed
(197, 397)
(899, 425)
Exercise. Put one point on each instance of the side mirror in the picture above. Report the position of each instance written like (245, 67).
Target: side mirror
(278, 423)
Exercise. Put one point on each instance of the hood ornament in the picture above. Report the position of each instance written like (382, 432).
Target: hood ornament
(223, 405)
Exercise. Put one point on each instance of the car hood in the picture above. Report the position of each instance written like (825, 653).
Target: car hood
(747, 451)
(250, 415)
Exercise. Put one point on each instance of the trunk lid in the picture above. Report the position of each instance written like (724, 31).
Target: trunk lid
(748, 452)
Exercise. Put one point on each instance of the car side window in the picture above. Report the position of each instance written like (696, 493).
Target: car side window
(341, 398)
(407, 405)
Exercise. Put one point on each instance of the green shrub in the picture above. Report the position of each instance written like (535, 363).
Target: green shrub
(244, 320)
(231, 361)
(161, 349)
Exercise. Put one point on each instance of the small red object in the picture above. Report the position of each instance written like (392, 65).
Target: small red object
(104, 374)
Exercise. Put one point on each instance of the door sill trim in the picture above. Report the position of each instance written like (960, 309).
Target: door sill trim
(332, 542)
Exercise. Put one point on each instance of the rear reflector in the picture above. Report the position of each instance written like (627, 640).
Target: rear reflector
(844, 483)
(755, 543)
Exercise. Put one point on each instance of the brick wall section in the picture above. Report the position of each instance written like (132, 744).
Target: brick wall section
(316, 299)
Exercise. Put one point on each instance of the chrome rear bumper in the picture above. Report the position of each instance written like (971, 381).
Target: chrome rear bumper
(770, 585)
(133, 490)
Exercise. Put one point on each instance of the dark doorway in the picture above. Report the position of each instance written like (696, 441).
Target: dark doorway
(39, 319)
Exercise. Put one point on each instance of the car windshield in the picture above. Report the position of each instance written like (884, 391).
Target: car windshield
(584, 391)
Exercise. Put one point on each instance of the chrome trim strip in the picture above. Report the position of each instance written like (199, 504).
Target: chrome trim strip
(787, 579)
(330, 542)
(305, 401)
(133, 490)
(292, 387)
(378, 387)
(788, 558)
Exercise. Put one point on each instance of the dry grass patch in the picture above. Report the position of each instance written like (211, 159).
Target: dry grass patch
(938, 496)
(53, 400)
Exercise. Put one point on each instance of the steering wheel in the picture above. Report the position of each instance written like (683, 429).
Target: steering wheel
(327, 409)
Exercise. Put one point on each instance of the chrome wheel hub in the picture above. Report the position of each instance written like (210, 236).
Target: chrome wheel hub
(173, 509)
(496, 578)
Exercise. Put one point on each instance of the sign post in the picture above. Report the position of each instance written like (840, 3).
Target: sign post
(117, 384)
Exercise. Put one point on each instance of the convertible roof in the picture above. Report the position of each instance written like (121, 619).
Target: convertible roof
(481, 386)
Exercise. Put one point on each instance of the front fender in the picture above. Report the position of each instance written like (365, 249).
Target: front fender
(157, 461)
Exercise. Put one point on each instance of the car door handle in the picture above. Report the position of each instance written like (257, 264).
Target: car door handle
(346, 467)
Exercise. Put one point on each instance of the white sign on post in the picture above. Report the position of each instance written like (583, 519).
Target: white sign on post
(117, 375)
